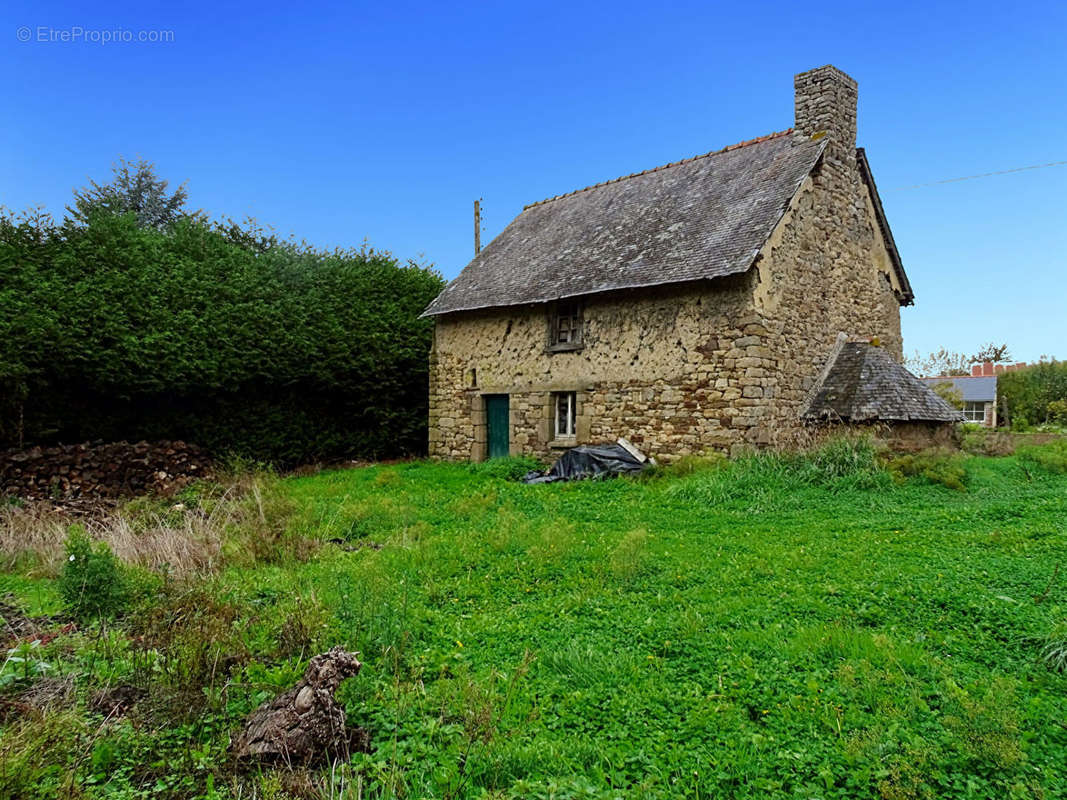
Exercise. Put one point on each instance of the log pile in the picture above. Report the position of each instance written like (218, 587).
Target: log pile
(100, 471)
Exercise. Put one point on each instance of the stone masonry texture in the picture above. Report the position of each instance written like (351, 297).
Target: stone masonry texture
(687, 368)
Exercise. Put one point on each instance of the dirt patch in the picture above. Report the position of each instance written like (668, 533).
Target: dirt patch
(40, 697)
(116, 701)
(16, 626)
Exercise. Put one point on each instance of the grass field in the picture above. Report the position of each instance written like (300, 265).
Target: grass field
(777, 627)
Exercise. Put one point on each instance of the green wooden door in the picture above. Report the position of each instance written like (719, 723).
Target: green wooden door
(496, 417)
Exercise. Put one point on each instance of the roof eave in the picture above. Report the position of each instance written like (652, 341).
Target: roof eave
(429, 312)
(907, 296)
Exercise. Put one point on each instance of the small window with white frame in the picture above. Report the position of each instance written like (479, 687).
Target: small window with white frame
(974, 411)
(564, 408)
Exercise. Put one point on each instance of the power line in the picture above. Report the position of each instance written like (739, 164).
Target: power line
(982, 175)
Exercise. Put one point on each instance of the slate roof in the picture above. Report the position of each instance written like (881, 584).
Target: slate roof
(974, 389)
(862, 383)
(701, 218)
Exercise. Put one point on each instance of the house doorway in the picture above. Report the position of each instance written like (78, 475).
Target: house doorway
(497, 418)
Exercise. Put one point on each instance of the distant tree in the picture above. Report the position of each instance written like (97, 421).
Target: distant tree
(942, 362)
(135, 189)
(996, 353)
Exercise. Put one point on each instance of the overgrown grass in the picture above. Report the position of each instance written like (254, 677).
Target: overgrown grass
(778, 626)
(247, 520)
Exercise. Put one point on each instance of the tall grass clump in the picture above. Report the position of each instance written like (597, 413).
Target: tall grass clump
(842, 464)
(1054, 648)
(685, 466)
(629, 557)
(509, 469)
(943, 467)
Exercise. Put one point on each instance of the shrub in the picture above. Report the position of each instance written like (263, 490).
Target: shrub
(932, 466)
(268, 349)
(92, 583)
(948, 392)
(1057, 411)
(1026, 394)
(979, 441)
(1052, 456)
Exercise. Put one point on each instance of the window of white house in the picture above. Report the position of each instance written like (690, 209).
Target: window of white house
(565, 326)
(974, 412)
(565, 412)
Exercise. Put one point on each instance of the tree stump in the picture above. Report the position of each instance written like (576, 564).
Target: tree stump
(306, 724)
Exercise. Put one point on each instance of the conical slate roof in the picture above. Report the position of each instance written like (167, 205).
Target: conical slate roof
(864, 384)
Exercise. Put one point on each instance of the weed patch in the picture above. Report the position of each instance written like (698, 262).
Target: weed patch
(1051, 457)
(945, 468)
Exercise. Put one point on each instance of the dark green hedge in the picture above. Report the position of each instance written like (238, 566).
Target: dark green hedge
(263, 348)
(1025, 394)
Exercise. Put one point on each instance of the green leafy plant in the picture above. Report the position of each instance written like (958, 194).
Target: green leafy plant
(1029, 396)
(22, 664)
(92, 583)
(948, 392)
(508, 469)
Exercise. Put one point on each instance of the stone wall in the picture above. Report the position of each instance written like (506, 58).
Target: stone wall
(898, 437)
(671, 369)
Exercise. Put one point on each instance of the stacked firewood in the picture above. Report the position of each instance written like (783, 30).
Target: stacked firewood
(97, 470)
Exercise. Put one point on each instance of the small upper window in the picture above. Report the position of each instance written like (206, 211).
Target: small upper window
(565, 412)
(565, 326)
(974, 412)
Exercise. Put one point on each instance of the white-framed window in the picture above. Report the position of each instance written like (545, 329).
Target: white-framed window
(564, 413)
(974, 411)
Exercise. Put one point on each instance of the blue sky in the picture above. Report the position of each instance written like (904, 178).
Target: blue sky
(384, 121)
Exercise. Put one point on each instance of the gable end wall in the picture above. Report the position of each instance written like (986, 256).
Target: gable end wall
(824, 271)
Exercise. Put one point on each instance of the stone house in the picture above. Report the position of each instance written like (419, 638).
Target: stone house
(690, 307)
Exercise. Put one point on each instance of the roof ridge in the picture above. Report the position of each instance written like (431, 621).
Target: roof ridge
(738, 146)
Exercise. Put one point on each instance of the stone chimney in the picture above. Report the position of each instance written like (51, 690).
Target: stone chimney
(825, 102)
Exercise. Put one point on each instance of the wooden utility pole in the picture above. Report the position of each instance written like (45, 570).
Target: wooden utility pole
(477, 226)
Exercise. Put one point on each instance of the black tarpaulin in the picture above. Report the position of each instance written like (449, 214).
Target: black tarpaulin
(589, 461)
